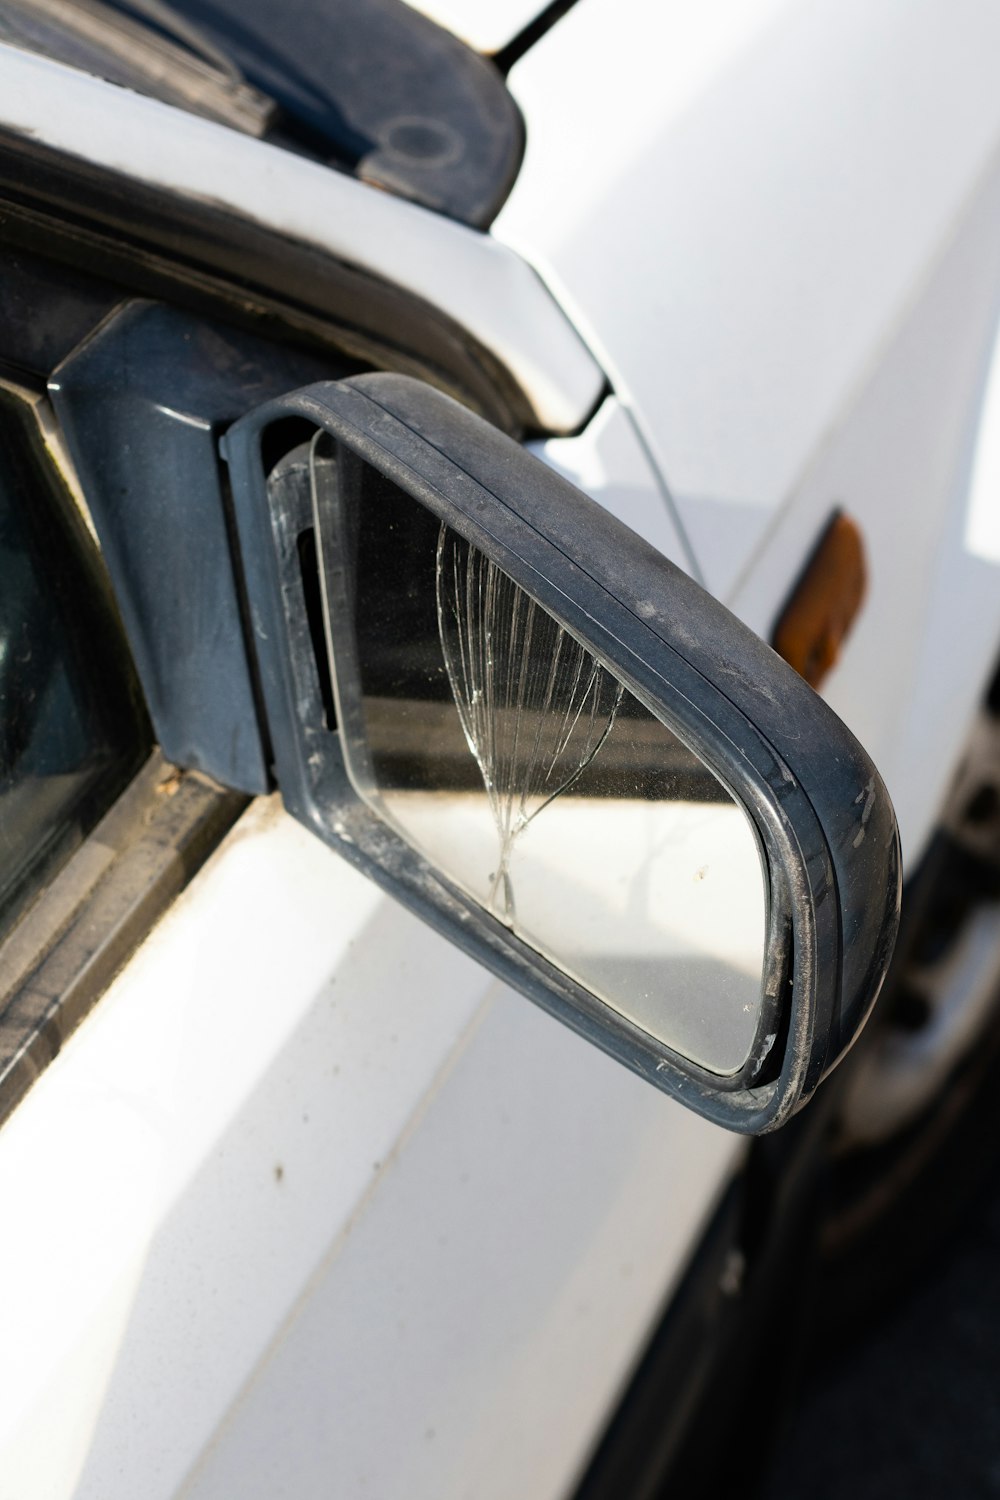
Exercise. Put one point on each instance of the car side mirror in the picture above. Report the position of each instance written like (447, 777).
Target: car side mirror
(535, 731)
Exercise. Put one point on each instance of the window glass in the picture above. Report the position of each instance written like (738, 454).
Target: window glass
(72, 729)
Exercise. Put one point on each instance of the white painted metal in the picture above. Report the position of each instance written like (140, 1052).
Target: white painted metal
(311, 1206)
(737, 202)
(487, 25)
(484, 286)
(780, 233)
(903, 458)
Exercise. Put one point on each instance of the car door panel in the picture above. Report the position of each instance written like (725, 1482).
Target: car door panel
(305, 1187)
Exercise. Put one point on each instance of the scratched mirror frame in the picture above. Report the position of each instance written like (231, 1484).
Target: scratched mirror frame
(519, 765)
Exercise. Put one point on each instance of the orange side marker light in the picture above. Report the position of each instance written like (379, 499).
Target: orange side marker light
(824, 604)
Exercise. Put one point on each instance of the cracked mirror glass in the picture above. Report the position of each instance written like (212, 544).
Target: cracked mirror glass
(518, 764)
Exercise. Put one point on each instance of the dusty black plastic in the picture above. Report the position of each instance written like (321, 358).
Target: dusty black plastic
(47, 310)
(382, 90)
(821, 810)
(139, 405)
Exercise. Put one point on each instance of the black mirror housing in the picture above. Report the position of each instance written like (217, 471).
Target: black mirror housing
(822, 816)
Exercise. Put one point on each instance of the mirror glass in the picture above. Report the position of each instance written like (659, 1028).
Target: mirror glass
(519, 765)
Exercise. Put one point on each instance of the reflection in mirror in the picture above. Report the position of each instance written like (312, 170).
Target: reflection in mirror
(535, 707)
(520, 766)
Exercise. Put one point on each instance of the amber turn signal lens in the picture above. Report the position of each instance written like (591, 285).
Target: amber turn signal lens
(824, 603)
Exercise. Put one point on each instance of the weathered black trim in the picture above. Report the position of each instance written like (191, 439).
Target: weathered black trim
(46, 310)
(209, 259)
(139, 404)
(93, 915)
(820, 810)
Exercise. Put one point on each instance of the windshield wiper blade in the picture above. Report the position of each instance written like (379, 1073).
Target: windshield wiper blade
(163, 15)
(190, 72)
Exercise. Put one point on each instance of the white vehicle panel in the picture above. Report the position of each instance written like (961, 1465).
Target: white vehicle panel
(786, 257)
(737, 203)
(912, 459)
(328, 1210)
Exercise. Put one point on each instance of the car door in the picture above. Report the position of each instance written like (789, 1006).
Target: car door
(304, 1174)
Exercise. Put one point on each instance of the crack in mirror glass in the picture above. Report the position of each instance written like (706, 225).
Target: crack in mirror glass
(535, 705)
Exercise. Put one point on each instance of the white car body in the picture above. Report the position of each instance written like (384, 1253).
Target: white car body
(310, 1205)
